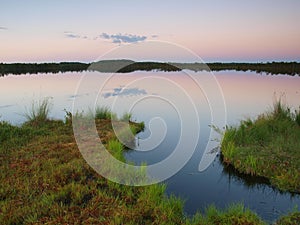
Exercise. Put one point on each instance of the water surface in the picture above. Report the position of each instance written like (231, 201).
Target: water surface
(161, 100)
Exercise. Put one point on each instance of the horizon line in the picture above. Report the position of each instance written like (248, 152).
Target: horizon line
(159, 61)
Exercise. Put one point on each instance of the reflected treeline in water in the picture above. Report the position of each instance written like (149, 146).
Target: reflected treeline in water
(126, 66)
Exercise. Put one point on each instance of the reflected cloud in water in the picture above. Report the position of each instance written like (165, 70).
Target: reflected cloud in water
(124, 92)
(72, 97)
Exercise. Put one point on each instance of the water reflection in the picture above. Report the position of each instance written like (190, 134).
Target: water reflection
(124, 92)
(244, 179)
(5, 106)
(246, 95)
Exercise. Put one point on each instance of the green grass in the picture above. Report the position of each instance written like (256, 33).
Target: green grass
(104, 113)
(126, 117)
(39, 112)
(235, 214)
(297, 116)
(267, 146)
(13, 137)
(45, 180)
(290, 219)
(116, 148)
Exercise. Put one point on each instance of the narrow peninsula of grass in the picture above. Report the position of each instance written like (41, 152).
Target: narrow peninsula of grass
(45, 180)
(267, 147)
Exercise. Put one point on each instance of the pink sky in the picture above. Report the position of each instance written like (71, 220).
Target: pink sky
(39, 31)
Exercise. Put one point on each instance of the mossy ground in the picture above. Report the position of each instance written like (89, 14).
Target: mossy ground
(292, 218)
(44, 179)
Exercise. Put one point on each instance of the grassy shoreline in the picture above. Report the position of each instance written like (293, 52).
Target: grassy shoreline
(45, 180)
(267, 147)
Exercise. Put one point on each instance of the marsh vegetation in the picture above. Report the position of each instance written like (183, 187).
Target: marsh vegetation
(267, 146)
(45, 180)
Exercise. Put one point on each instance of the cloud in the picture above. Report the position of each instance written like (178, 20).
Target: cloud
(105, 36)
(71, 35)
(114, 38)
(3, 28)
(123, 38)
(124, 92)
(117, 41)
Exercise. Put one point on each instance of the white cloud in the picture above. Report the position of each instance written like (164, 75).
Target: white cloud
(114, 38)
(123, 38)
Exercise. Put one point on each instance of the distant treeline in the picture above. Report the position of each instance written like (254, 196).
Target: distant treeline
(290, 68)
(148, 66)
(32, 68)
(126, 66)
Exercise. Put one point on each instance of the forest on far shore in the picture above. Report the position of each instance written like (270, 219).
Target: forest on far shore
(126, 66)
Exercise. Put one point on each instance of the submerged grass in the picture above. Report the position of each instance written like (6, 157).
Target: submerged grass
(45, 180)
(268, 146)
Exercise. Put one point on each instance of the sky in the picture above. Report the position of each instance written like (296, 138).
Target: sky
(215, 30)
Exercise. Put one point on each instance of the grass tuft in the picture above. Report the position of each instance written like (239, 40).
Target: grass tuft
(39, 112)
(234, 214)
(126, 117)
(104, 113)
(116, 149)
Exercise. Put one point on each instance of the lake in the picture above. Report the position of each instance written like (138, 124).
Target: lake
(178, 109)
